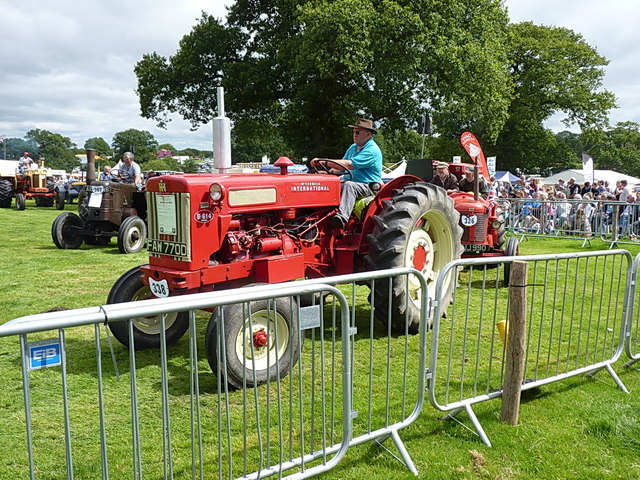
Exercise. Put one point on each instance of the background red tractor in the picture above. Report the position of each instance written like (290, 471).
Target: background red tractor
(37, 183)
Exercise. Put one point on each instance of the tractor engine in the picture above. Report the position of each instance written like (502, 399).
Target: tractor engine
(231, 229)
(483, 227)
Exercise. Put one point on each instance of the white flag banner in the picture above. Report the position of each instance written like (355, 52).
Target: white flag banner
(491, 165)
(587, 167)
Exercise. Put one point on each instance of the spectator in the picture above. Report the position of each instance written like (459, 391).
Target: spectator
(561, 186)
(587, 188)
(563, 211)
(572, 188)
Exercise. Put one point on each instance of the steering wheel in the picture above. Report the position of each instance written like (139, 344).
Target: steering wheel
(321, 166)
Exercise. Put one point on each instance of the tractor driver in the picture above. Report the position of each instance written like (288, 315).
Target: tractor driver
(364, 159)
(445, 179)
(129, 171)
(25, 162)
(466, 183)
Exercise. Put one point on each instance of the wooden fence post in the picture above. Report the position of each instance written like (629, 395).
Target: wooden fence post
(514, 368)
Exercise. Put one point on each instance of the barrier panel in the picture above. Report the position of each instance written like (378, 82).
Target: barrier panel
(577, 307)
(632, 335)
(354, 380)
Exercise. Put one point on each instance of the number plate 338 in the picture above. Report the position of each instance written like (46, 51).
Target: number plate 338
(159, 289)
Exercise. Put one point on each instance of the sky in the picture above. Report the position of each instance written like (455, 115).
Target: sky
(67, 66)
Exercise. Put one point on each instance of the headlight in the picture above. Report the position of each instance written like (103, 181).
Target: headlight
(215, 191)
(496, 224)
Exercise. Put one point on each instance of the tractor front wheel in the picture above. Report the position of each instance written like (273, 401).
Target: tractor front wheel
(59, 200)
(20, 201)
(146, 330)
(417, 228)
(132, 235)
(259, 341)
(512, 250)
(62, 231)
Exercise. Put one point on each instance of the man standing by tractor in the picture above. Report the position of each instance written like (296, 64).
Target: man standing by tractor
(445, 179)
(364, 161)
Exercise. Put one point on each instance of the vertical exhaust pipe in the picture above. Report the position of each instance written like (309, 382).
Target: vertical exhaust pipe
(91, 166)
(221, 137)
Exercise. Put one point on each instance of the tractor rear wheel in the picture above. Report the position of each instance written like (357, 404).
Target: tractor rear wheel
(62, 231)
(132, 235)
(146, 330)
(417, 228)
(6, 193)
(20, 201)
(260, 341)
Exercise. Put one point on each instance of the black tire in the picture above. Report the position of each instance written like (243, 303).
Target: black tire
(400, 239)
(51, 184)
(60, 200)
(6, 193)
(44, 201)
(62, 231)
(20, 201)
(132, 235)
(512, 250)
(146, 330)
(273, 360)
(68, 198)
(502, 231)
(83, 205)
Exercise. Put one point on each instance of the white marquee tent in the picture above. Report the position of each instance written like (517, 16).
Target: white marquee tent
(608, 175)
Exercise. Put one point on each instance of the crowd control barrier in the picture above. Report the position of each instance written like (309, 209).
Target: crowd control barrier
(164, 414)
(576, 320)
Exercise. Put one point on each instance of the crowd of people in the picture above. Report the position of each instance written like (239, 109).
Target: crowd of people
(586, 209)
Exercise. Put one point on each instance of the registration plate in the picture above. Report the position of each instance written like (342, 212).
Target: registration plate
(164, 247)
(95, 200)
(476, 248)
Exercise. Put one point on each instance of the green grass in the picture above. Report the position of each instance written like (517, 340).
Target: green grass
(576, 428)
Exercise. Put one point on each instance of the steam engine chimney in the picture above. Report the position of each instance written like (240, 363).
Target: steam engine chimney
(221, 137)
(91, 166)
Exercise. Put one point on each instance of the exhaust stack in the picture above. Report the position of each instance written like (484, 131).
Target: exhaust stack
(221, 137)
(91, 166)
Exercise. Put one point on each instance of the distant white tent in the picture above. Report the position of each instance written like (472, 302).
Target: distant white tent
(608, 175)
(506, 176)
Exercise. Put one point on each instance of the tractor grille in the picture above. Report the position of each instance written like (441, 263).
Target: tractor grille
(169, 225)
(479, 229)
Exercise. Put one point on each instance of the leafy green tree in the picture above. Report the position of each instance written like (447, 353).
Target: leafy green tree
(15, 147)
(56, 149)
(616, 149)
(190, 166)
(99, 144)
(309, 68)
(141, 142)
(166, 163)
(554, 70)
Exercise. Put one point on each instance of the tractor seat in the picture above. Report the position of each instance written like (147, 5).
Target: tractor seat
(362, 202)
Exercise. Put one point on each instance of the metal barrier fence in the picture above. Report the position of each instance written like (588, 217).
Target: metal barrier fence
(614, 222)
(352, 382)
(632, 334)
(576, 317)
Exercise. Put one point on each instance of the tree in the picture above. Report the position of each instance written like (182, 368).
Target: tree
(166, 163)
(15, 147)
(190, 166)
(554, 70)
(141, 142)
(309, 68)
(99, 144)
(617, 149)
(54, 148)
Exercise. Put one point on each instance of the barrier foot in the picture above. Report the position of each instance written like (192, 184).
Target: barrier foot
(406, 458)
(613, 374)
(630, 362)
(472, 416)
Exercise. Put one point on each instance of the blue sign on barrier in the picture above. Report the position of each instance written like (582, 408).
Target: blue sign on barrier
(44, 354)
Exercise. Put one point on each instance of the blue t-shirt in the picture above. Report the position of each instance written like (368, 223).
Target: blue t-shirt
(367, 162)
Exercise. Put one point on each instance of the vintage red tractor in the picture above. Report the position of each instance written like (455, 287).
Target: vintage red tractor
(37, 183)
(220, 231)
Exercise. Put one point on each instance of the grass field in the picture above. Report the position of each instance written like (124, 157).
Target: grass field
(576, 428)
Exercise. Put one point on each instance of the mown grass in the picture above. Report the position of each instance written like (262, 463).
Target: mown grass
(577, 428)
